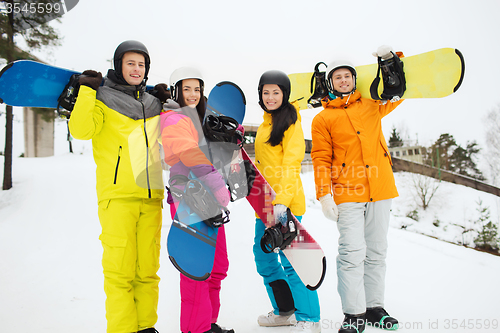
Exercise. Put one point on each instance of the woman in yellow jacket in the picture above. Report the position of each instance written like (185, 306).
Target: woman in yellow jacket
(352, 162)
(279, 151)
(123, 122)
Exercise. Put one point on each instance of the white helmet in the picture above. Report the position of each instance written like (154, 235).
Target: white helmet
(332, 67)
(183, 73)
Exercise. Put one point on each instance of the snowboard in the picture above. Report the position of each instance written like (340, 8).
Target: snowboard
(32, 84)
(304, 253)
(191, 242)
(433, 74)
(28, 83)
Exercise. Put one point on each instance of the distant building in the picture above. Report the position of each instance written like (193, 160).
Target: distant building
(409, 153)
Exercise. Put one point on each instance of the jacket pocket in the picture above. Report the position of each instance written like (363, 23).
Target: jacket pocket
(117, 164)
(338, 166)
(386, 151)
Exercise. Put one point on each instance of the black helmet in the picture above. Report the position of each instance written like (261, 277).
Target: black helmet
(130, 46)
(275, 77)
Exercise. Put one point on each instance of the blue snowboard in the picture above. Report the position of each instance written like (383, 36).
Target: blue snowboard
(190, 242)
(228, 99)
(33, 84)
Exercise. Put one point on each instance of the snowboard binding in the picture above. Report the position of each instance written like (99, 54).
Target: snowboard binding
(278, 237)
(318, 87)
(393, 78)
(223, 132)
(67, 99)
(199, 200)
(222, 129)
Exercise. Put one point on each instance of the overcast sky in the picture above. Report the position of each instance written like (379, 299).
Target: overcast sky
(239, 40)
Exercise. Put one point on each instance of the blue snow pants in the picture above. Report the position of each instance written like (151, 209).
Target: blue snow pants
(274, 267)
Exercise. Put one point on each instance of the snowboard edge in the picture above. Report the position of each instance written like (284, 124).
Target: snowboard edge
(196, 278)
(321, 279)
(462, 61)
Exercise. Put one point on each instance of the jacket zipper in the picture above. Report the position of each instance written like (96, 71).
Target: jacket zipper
(147, 145)
(117, 163)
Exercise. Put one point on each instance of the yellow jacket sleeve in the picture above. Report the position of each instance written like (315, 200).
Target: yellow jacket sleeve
(87, 116)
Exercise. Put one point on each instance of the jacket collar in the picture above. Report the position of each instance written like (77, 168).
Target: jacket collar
(344, 101)
(114, 82)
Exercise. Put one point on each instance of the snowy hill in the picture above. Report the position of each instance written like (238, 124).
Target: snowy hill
(51, 276)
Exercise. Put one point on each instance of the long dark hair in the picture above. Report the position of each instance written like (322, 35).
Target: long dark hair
(202, 105)
(283, 118)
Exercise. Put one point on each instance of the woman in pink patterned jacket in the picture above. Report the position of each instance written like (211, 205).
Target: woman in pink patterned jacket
(181, 133)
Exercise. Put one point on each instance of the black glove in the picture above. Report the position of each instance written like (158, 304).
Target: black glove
(91, 79)
(161, 92)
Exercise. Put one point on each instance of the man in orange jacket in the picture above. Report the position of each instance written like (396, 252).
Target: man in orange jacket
(351, 161)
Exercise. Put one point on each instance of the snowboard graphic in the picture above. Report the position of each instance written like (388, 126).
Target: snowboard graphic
(191, 244)
(29, 83)
(304, 254)
(32, 84)
(433, 74)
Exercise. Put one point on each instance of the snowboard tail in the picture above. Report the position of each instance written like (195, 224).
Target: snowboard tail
(184, 233)
(191, 244)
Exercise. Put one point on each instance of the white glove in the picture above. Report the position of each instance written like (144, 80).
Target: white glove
(384, 52)
(280, 215)
(329, 207)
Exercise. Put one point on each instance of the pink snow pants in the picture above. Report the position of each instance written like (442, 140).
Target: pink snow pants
(200, 301)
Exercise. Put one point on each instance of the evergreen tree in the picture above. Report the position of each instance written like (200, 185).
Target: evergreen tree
(487, 237)
(395, 139)
(33, 28)
(462, 161)
(446, 154)
(438, 155)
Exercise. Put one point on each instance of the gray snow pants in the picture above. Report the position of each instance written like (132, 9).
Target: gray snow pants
(362, 251)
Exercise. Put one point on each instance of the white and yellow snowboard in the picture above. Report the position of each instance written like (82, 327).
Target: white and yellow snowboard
(433, 74)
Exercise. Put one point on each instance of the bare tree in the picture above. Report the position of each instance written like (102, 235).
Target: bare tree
(425, 188)
(492, 123)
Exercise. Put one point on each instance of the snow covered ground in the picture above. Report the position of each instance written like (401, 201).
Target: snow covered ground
(51, 276)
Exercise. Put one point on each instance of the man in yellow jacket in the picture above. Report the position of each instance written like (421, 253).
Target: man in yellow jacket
(123, 122)
(352, 166)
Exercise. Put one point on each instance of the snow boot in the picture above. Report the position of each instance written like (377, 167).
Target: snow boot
(378, 317)
(353, 324)
(306, 327)
(149, 330)
(272, 320)
(217, 329)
